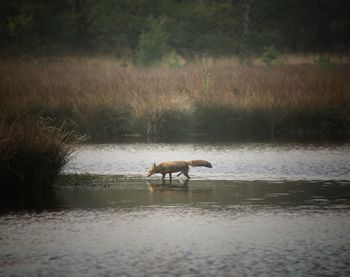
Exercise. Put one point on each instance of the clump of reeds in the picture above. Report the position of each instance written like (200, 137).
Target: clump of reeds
(32, 153)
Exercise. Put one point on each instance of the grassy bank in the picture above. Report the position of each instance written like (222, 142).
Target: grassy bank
(107, 98)
(32, 153)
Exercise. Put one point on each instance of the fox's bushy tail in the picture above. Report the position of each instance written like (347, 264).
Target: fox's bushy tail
(195, 163)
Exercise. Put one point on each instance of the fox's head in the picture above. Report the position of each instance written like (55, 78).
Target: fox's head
(151, 170)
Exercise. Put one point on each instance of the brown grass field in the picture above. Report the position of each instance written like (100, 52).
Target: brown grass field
(104, 96)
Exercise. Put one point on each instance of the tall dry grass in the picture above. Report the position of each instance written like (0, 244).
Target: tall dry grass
(32, 153)
(103, 96)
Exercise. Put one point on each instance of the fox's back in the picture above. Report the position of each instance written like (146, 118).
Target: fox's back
(175, 166)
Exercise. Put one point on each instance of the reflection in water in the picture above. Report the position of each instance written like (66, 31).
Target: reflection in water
(168, 186)
(112, 191)
(104, 226)
(125, 192)
(28, 199)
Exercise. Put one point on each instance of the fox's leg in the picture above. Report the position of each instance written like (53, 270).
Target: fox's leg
(179, 174)
(163, 176)
(170, 176)
(186, 174)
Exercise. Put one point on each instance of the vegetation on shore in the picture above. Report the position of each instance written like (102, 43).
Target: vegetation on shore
(106, 98)
(32, 153)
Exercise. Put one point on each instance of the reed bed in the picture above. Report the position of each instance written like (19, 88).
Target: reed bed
(105, 97)
(32, 153)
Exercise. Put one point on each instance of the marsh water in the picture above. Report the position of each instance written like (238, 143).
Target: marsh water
(231, 161)
(263, 209)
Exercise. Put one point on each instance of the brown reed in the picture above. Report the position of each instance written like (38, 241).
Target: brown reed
(33, 153)
(138, 99)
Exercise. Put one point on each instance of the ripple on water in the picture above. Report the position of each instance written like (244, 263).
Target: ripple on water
(177, 239)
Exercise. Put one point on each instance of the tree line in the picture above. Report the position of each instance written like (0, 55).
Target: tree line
(211, 27)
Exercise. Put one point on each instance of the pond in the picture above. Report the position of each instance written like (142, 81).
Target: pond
(263, 209)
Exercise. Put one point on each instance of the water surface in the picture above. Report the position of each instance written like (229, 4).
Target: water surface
(233, 161)
(203, 228)
(263, 209)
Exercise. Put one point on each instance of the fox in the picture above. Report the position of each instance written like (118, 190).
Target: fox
(176, 166)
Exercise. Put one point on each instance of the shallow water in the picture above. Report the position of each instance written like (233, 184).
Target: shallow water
(236, 161)
(109, 227)
(261, 210)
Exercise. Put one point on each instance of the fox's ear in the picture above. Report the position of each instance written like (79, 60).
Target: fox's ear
(154, 164)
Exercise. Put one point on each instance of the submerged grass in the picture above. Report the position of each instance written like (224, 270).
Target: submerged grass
(104, 98)
(32, 153)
